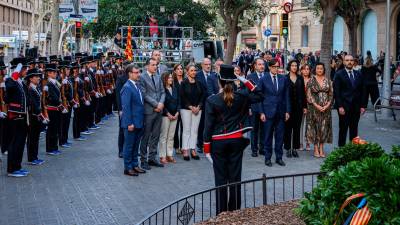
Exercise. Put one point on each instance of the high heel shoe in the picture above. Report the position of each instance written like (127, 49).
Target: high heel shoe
(194, 156)
(185, 155)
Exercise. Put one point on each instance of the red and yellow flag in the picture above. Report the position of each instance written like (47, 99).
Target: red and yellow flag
(128, 48)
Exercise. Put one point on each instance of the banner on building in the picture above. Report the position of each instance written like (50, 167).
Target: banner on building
(89, 10)
(85, 11)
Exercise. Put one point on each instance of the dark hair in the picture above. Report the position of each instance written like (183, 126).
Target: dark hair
(149, 59)
(130, 67)
(272, 62)
(174, 69)
(303, 67)
(318, 64)
(228, 92)
(290, 65)
(165, 77)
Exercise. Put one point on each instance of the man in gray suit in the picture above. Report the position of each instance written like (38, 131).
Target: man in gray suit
(161, 68)
(154, 95)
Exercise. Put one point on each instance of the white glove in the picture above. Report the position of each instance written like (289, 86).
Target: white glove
(208, 157)
(87, 103)
(113, 66)
(97, 95)
(64, 111)
(77, 79)
(83, 70)
(2, 85)
(3, 115)
(46, 88)
(109, 91)
(45, 121)
(75, 106)
(87, 79)
(18, 68)
(65, 81)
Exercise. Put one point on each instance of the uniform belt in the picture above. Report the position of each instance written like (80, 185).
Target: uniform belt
(229, 136)
(52, 108)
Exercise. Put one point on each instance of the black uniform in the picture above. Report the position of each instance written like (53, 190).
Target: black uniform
(16, 98)
(66, 117)
(78, 123)
(95, 101)
(223, 138)
(53, 109)
(35, 123)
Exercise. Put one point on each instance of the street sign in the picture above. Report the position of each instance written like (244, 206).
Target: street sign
(267, 32)
(288, 7)
(24, 34)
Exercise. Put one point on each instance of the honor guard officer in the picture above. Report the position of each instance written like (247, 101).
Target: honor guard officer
(54, 108)
(3, 110)
(35, 115)
(66, 97)
(78, 103)
(225, 117)
(16, 99)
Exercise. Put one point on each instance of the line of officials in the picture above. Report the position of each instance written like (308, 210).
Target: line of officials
(40, 95)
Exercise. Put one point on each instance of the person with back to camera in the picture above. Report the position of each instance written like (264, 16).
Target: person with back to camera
(224, 143)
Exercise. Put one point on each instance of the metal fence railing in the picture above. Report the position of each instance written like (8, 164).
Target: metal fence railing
(254, 193)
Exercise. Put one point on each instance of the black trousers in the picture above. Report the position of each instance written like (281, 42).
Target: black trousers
(348, 122)
(99, 110)
(86, 117)
(120, 137)
(109, 103)
(5, 135)
(178, 133)
(373, 92)
(64, 127)
(18, 130)
(33, 138)
(200, 131)
(257, 134)
(76, 123)
(292, 130)
(92, 111)
(52, 131)
(227, 158)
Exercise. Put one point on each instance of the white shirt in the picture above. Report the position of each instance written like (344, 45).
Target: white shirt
(348, 73)
(259, 75)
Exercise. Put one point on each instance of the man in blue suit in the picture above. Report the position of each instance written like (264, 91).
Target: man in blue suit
(275, 111)
(209, 82)
(132, 121)
(257, 134)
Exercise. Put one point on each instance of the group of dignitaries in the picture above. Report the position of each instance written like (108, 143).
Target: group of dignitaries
(40, 95)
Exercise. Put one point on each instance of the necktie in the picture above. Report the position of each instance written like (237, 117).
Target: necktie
(275, 83)
(351, 77)
(154, 83)
(140, 94)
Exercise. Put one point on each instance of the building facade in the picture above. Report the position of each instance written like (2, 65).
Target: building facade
(306, 29)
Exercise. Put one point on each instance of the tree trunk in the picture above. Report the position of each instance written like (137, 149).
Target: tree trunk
(327, 36)
(231, 45)
(260, 40)
(352, 26)
(55, 30)
(48, 27)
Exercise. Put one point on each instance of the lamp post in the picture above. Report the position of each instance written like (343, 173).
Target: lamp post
(386, 92)
(20, 27)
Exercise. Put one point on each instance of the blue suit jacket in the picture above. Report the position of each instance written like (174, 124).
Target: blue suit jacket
(276, 103)
(132, 106)
(211, 86)
(255, 108)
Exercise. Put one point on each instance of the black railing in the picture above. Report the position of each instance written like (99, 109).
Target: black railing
(254, 193)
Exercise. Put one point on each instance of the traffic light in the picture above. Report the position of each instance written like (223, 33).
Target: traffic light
(78, 29)
(285, 24)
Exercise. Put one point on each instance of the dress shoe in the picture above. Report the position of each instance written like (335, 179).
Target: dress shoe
(295, 154)
(145, 166)
(194, 156)
(280, 162)
(289, 153)
(268, 163)
(155, 163)
(254, 154)
(120, 155)
(131, 173)
(171, 159)
(139, 170)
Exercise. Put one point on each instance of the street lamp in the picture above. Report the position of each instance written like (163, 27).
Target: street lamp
(386, 78)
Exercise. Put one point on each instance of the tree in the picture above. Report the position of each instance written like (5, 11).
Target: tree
(231, 11)
(351, 10)
(132, 12)
(328, 7)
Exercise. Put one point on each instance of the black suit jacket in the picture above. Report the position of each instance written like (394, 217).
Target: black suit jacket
(54, 94)
(346, 95)
(297, 94)
(172, 101)
(35, 107)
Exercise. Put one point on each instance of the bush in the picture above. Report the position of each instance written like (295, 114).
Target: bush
(348, 153)
(379, 178)
(396, 151)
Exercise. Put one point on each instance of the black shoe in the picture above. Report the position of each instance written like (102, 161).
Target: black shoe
(195, 157)
(155, 163)
(199, 149)
(186, 158)
(280, 162)
(131, 173)
(254, 154)
(120, 155)
(139, 170)
(268, 163)
(289, 153)
(261, 152)
(295, 154)
(145, 166)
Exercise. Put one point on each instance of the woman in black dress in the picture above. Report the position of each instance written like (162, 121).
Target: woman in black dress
(299, 107)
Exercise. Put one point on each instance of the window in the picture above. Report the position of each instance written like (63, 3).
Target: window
(304, 36)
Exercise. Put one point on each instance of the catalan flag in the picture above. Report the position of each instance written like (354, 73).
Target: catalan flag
(361, 216)
(128, 48)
